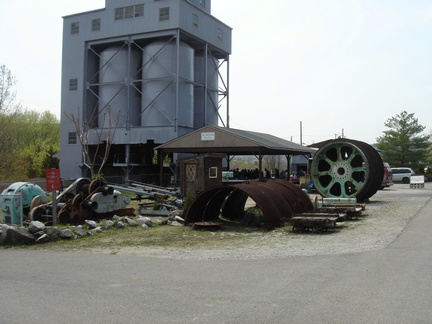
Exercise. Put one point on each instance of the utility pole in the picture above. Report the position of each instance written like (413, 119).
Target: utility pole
(301, 133)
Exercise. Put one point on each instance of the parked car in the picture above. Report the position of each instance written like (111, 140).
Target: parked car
(402, 174)
(388, 176)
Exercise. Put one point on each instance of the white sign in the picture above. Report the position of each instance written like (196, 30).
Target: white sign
(417, 179)
(208, 136)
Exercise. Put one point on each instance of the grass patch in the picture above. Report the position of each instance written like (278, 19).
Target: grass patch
(164, 236)
(231, 234)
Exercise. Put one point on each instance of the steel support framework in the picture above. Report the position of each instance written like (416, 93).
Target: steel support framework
(91, 111)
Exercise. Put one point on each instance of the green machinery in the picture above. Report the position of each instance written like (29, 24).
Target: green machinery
(16, 201)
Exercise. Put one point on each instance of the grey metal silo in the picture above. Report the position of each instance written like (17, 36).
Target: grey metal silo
(115, 100)
(206, 89)
(162, 104)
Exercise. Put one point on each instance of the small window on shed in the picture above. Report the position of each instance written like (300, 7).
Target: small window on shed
(191, 172)
(213, 172)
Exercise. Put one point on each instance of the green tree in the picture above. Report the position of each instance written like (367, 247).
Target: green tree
(404, 143)
(28, 140)
(8, 111)
(36, 140)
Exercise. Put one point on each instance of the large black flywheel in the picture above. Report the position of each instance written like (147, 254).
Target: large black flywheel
(345, 168)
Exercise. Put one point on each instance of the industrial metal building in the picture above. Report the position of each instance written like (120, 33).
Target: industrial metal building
(135, 75)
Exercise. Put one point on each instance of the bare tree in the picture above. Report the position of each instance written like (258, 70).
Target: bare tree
(7, 95)
(8, 106)
(104, 138)
(272, 162)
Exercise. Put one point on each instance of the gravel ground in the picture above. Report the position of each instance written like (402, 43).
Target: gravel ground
(386, 215)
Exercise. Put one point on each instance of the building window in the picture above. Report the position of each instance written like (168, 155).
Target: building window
(195, 20)
(72, 138)
(164, 14)
(118, 13)
(73, 84)
(129, 12)
(191, 172)
(213, 172)
(96, 24)
(220, 34)
(75, 28)
(202, 3)
(139, 10)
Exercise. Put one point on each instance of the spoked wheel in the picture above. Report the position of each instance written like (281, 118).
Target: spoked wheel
(63, 217)
(37, 201)
(94, 185)
(67, 197)
(82, 185)
(37, 214)
(346, 168)
(77, 200)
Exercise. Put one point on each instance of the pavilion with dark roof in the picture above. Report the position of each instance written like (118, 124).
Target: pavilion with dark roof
(230, 141)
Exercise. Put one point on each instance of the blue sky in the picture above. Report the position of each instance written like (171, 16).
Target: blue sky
(333, 65)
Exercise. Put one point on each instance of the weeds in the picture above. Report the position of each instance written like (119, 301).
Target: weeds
(159, 236)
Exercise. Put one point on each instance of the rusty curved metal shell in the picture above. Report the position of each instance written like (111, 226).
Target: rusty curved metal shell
(271, 202)
(205, 206)
(234, 205)
(277, 201)
(298, 199)
(213, 207)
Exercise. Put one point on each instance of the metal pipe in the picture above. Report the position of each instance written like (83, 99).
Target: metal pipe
(177, 89)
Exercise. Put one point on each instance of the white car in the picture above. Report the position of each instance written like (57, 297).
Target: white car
(402, 174)
(388, 176)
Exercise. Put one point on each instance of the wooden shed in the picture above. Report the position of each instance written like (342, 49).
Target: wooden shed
(200, 173)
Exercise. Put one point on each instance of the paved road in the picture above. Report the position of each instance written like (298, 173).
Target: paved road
(393, 285)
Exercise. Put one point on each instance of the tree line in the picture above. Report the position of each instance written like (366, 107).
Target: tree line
(28, 139)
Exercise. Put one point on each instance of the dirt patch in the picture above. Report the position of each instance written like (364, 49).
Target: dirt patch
(383, 220)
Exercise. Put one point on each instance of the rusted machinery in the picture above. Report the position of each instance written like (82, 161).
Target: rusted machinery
(17, 200)
(277, 199)
(279, 202)
(315, 222)
(84, 199)
(326, 215)
(345, 168)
